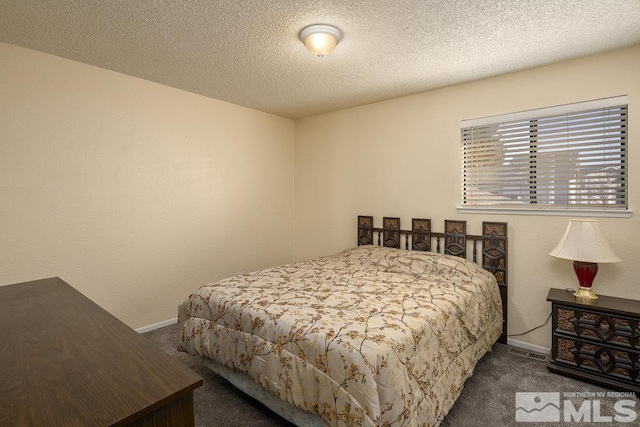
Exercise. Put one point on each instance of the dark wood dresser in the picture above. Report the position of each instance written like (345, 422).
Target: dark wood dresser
(596, 342)
(66, 361)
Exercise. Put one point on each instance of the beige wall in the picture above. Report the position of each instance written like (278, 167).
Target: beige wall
(133, 192)
(402, 158)
(136, 193)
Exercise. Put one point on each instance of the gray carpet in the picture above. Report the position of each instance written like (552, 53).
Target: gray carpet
(488, 397)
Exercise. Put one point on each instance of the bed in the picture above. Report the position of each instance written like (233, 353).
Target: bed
(374, 335)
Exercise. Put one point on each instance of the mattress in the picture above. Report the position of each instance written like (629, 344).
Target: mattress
(369, 336)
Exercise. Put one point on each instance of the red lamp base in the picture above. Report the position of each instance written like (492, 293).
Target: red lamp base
(586, 272)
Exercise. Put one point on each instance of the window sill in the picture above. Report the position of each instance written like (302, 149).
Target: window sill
(546, 212)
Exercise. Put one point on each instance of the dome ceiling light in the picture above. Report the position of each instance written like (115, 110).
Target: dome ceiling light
(320, 39)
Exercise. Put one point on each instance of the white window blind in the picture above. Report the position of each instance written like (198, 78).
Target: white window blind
(548, 159)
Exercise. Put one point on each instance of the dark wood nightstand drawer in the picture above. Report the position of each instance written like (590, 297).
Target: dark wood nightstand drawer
(600, 359)
(598, 326)
(596, 342)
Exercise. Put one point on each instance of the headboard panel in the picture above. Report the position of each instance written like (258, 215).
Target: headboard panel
(494, 259)
(494, 250)
(391, 232)
(365, 230)
(493, 242)
(455, 238)
(421, 234)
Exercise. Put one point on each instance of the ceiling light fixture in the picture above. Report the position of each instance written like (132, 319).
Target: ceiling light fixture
(320, 39)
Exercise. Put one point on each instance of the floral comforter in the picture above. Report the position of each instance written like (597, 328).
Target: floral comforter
(370, 336)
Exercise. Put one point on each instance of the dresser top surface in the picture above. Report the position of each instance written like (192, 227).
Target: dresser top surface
(65, 360)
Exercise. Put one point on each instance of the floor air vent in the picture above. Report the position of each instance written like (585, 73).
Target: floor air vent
(528, 354)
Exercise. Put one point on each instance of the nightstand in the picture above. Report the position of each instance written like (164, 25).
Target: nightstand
(596, 342)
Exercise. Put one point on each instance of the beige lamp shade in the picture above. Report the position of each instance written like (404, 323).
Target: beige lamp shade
(583, 241)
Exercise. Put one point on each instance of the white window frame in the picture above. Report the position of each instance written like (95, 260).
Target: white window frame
(533, 209)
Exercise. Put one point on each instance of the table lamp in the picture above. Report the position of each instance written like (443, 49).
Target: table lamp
(583, 243)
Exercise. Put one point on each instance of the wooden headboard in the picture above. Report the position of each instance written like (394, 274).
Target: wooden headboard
(453, 241)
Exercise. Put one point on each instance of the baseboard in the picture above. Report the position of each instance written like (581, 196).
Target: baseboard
(157, 326)
(527, 346)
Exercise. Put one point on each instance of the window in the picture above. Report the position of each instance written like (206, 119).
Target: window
(567, 157)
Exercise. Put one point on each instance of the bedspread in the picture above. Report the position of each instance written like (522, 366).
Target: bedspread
(370, 336)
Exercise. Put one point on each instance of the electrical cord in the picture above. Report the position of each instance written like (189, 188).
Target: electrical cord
(545, 322)
(532, 329)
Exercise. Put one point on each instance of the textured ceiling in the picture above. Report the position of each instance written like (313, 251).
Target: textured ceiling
(248, 52)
